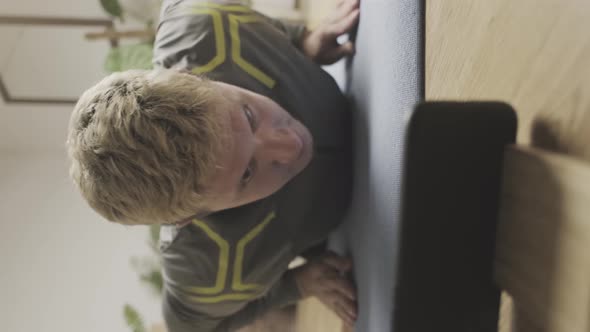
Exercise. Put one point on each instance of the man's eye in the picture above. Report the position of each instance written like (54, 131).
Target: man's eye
(250, 117)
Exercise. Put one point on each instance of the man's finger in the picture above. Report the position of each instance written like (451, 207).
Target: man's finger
(349, 307)
(339, 263)
(343, 286)
(343, 307)
(346, 317)
(344, 25)
(343, 9)
(337, 53)
(346, 49)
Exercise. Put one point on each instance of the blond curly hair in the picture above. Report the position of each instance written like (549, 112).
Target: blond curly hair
(142, 142)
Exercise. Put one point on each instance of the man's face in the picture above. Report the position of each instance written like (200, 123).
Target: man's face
(269, 147)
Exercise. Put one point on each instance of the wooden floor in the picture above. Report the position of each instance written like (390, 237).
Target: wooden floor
(275, 321)
(307, 316)
(534, 54)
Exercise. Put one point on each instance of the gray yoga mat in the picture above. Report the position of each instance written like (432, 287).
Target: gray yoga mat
(385, 81)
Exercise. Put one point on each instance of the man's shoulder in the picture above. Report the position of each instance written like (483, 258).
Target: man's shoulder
(207, 248)
(204, 241)
(200, 270)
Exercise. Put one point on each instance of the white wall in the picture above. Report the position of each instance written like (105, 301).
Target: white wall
(49, 62)
(63, 267)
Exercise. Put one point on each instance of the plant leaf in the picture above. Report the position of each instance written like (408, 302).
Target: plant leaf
(133, 319)
(138, 56)
(112, 7)
(113, 61)
(155, 280)
(154, 237)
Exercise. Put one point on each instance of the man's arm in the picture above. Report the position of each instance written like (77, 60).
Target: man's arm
(321, 45)
(323, 278)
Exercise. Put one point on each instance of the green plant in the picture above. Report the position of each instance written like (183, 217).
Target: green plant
(149, 270)
(137, 55)
(113, 7)
(133, 319)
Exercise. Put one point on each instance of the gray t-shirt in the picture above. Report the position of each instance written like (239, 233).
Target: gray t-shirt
(226, 269)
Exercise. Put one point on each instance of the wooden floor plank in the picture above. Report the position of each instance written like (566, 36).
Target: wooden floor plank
(533, 54)
(313, 316)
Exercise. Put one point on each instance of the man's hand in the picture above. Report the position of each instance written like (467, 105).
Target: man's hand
(323, 278)
(321, 45)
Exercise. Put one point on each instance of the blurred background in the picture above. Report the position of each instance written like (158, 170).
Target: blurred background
(64, 268)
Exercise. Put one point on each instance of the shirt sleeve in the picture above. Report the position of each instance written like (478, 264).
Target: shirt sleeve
(180, 316)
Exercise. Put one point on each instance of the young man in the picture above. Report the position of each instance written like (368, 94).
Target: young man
(246, 168)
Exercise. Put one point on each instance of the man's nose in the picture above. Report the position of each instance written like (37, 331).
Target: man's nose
(281, 145)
